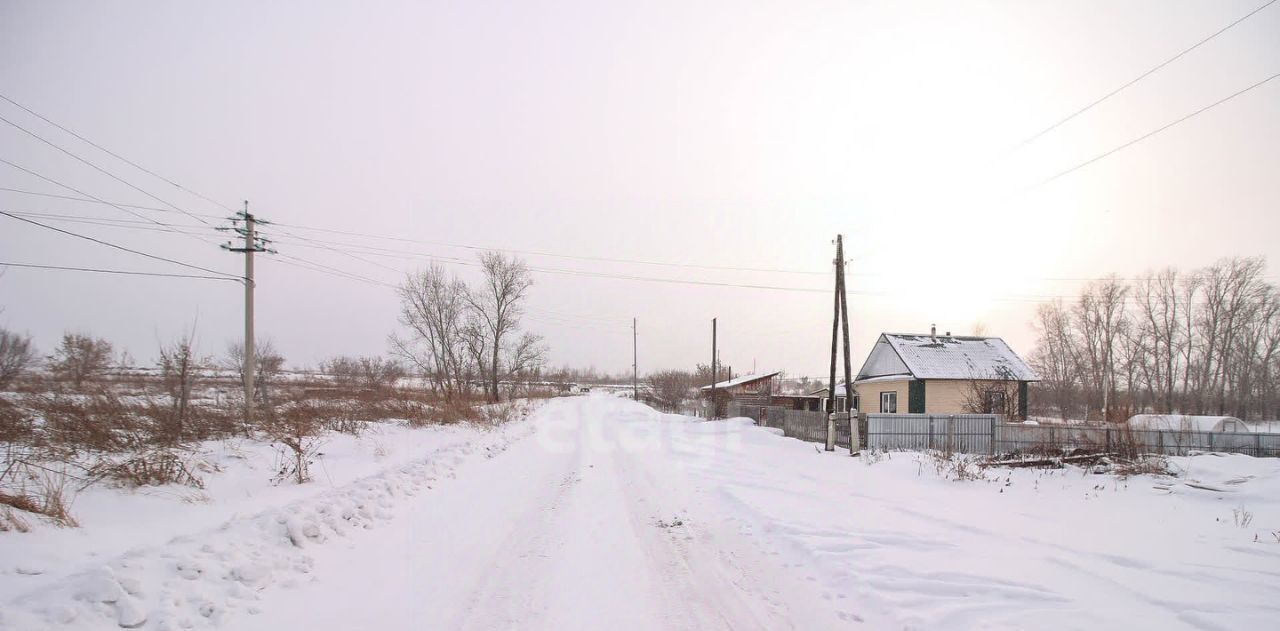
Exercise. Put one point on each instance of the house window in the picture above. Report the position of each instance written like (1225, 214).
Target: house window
(857, 405)
(995, 402)
(889, 402)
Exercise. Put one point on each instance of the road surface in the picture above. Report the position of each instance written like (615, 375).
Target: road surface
(585, 524)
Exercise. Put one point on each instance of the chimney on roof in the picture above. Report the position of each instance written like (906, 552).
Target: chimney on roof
(948, 333)
(933, 332)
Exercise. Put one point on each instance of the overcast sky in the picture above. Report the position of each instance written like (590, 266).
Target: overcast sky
(720, 134)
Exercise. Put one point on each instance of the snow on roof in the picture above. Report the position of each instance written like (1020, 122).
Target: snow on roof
(958, 357)
(1187, 423)
(840, 390)
(737, 381)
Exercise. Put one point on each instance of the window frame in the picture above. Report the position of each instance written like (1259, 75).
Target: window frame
(891, 396)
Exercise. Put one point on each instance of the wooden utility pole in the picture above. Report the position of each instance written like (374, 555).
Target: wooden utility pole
(252, 244)
(835, 341)
(714, 377)
(839, 316)
(635, 370)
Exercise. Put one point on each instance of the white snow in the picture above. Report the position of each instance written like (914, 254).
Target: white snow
(599, 512)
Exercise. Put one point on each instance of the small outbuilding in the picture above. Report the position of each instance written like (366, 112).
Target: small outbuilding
(749, 389)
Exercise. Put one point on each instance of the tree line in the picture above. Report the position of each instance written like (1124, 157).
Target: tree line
(1205, 341)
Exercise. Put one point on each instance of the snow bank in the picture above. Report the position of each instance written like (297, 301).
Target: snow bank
(196, 579)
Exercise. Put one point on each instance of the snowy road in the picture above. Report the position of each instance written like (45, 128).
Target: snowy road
(583, 525)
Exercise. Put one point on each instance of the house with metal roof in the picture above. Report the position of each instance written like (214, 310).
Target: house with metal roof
(943, 374)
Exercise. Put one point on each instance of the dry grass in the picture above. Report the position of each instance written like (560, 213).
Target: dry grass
(154, 467)
(37, 491)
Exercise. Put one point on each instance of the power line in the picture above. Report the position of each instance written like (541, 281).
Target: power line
(557, 255)
(445, 243)
(1150, 134)
(120, 157)
(99, 201)
(1140, 77)
(76, 190)
(111, 271)
(129, 224)
(100, 169)
(112, 245)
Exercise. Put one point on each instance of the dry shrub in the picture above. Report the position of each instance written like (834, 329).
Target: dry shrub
(1141, 465)
(956, 467)
(36, 490)
(447, 412)
(155, 467)
(297, 426)
(99, 421)
(499, 413)
(15, 424)
(10, 520)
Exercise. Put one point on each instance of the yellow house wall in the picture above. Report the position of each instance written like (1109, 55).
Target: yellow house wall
(947, 396)
(869, 394)
(941, 396)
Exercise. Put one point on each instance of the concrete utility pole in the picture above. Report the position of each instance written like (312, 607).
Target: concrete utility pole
(712, 413)
(252, 244)
(635, 370)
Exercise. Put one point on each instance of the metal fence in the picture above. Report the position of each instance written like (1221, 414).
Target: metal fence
(963, 433)
(803, 424)
(988, 434)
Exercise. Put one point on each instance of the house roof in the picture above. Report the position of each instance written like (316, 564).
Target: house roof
(737, 381)
(923, 356)
(840, 390)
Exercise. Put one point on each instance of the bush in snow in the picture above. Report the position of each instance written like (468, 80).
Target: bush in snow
(298, 428)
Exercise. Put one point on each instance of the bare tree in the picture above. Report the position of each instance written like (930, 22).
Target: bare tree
(16, 355)
(525, 358)
(378, 373)
(1100, 321)
(178, 369)
(80, 358)
(267, 366)
(992, 396)
(1055, 357)
(345, 371)
(671, 387)
(434, 306)
(498, 305)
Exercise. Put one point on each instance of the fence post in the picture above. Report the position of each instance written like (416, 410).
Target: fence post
(1257, 445)
(831, 431)
(854, 440)
(1108, 430)
(951, 433)
(993, 436)
(930, 446)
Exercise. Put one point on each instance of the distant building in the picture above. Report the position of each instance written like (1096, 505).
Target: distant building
(942, 374)
(747, 389)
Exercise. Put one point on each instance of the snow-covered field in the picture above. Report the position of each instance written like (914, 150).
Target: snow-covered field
(599, 512)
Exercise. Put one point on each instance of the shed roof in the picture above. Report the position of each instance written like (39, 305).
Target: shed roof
(925, 356)
(737, 381)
